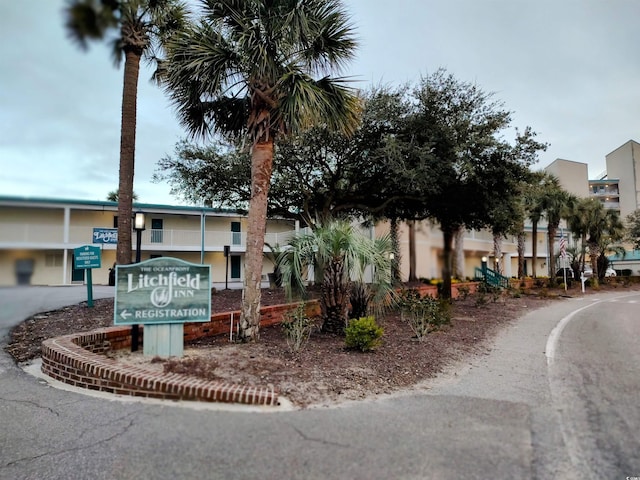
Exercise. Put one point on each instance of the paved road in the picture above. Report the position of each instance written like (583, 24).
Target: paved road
(502, 415)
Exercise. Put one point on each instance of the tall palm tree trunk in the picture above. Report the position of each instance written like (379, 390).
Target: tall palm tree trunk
(458, 264)
(127, 153)
(521, 248)
(395, 245)
(594, 253)
(261, 167)
(551, 236)
(447, 234)
(412, 251)
(534, 247)
(335, 297)
(497, 253)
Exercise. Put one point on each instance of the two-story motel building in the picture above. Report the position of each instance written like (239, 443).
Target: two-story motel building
(38, 237)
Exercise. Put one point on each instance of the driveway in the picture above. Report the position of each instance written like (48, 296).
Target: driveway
(499, 415)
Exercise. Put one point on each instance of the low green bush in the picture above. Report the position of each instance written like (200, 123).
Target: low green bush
(363, 334)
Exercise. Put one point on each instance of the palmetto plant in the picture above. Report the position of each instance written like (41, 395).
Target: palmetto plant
(598, 228)
(136, 29)
(339, 254)
(260, 69)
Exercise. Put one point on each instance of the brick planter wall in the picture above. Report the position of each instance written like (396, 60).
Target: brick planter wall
(432, 290)
(79, 360)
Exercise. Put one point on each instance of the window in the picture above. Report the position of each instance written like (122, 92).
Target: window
(53, 260)
(156, 230)
(236, 235)
(115, 221)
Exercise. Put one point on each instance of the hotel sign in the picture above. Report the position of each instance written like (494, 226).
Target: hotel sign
(105, 235)
(162, 290)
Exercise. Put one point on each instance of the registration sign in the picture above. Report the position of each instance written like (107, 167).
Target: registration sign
(162, 290)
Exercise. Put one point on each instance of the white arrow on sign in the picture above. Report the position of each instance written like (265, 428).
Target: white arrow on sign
(124, 314)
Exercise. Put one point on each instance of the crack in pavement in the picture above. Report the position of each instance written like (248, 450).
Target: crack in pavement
(32, 403)
(123, 431)
(318, 440)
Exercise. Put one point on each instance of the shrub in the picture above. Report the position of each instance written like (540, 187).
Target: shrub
(481, 298)
(463, 292)
(297, 327)
(423, 314)
(363, 334)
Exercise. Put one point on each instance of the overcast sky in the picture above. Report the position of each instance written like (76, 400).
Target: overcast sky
(568, 68)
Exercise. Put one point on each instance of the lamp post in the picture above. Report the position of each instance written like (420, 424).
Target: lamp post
(138, 226)
(484, 268)
(227, 249)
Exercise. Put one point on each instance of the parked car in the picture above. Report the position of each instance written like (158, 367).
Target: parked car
(588, 272)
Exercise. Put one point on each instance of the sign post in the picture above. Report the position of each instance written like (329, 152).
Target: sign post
(162, 294)
(87, 257)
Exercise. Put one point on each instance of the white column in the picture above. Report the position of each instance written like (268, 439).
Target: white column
(65, 240)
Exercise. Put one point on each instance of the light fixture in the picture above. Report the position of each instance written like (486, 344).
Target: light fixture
(139, 221)
(484, 259)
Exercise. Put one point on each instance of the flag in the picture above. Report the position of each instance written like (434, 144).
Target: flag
(563, 246)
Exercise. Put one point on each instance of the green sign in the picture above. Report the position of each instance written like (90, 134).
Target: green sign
(162, 290)
(87, 256)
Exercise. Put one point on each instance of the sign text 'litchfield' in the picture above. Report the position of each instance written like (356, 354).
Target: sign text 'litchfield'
(162, 291)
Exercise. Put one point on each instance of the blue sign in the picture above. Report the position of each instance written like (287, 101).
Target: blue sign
(87, 256)
(105, 235)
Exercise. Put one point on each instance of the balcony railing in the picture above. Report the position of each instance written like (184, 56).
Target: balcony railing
(52, 236)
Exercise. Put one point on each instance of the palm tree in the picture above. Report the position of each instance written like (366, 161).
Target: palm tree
(247, 69)
(578, 222)
(113, 196)
(337, 252)
(557, 204)
(136, 28)
(533, 199)
(604, 228)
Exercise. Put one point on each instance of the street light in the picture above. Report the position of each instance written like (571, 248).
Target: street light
(484, 268)
(138, 225)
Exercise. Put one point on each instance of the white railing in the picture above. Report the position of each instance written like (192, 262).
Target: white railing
(53, 235)
(30, 233)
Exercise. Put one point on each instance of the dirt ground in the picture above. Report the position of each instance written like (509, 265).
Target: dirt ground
(324, 372)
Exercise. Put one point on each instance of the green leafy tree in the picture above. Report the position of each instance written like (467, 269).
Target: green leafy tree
(136, 29)
(246, 68)
(338, 253)
(457, 129)
(633, 229)
(317, 173)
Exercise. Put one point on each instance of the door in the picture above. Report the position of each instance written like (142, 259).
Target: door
(77, 274)
(235, 267)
